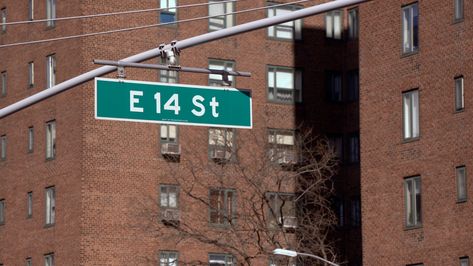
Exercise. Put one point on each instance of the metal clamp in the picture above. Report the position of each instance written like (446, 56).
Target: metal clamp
(121, 71)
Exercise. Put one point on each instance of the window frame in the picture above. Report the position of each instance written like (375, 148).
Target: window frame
(29, 204)
(353, 86)
(223, 212)
(275, 147)
(353, 24)
(30, 10)
(410, 31)
(232, 148)
(49, 259)
(30, 146)
(412, 131)
(168, 139)
(166, 255)
(230, 260)
(458, 10)
(225, 18)
(168, 76)
(228, 65)
(411, 202)
(353, 155)
(3, 17)
(29, 261)
(50, 206)
(167, 187)
(458, 169)
(330, 32)
(297, 86)
(296, 25)
(275, 207)
(30, 74)
(51, 134)
(464, 259)
(459, 93)
(3, 147)
(51, 13)
(51, 67)
(355, 211)
(4, 77)
(2, 211)
(167, 11)
(331, 77)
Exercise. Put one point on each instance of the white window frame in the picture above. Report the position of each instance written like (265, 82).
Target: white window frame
(4, 77)
(353, 24)
(412, 200)
(218, 259)
(166, 130)
(50, 206)
(217, 22)
(169, 196)
(29, 204)
(51, 13)
(168, 258)
(458, 10)
(461, 183)
(217, 64)
(30, 139)
(410, 33)
(30, 10)
(411, 106)
(3, 148)
(282, 143)
(170, 10)
(292, 89)
(3, 13)
(334, 24)
(50, 70)
(49, 259)
(224, 211)
(291, 30)
(51, 140)
(222, 139)
(30, 74)
(459, 94)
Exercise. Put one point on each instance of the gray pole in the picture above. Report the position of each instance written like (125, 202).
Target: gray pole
(193, 41)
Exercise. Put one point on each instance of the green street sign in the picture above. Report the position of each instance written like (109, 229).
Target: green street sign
(153, 102)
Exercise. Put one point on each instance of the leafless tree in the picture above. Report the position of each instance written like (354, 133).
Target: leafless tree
(275, 194)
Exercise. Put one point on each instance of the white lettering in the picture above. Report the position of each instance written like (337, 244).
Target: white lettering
(134, 100)
(214, 105)
(197, 101)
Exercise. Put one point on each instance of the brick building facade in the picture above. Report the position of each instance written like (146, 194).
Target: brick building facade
(70, 185)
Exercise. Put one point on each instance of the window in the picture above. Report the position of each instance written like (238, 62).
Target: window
(51, 140)
(461, 183)
(169, 14)
(336, 144)
(282, 210)
(30, 9)
(282, 146)
(222, 144)
(217, 80)
(458, 10)
(51, 13)
(49, 259)
(50, 205)
(4, 83)
(222, 203)
(333, 24)
(410, 28)
(412, 195)
(339, 207)
(284, 84)
(291, 30)
(219, 9)
(410, 101)
(30, 139)
(3, 11)
(353, 24)
(50, 71)
(169, 133)
(354, 148)
(168, 76)
(2, 211)
(465, 261)
(168, 258)
(334, 86)
(355, 212)
(30, 74)
(222, 260)
(459, 94)
(169, 197)
(3, 140)
(29, 262)
(353, 81)
(29, 204)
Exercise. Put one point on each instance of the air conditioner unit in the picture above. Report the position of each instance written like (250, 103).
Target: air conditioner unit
(220, 155)
(288, 221)
(170, 215)
(287, 157)
(170, 149)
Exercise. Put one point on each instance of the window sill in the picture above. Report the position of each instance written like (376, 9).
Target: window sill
(413, 227)
(50, 27)
(457, 21)
(409, 140)
(50, 159)
(48, 225)
(459, 111)
(408, 54)
(461, 201)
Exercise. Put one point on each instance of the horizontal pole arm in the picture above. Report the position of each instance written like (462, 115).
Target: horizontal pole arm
(187, 43)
